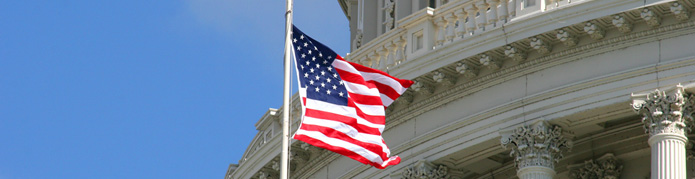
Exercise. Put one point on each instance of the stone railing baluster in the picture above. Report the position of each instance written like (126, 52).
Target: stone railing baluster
(470, 25)
(482, 18)
(461, 29)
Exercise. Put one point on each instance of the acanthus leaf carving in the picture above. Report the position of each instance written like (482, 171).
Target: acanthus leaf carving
(566, 37)
(538, 144)
(665, 111)
(514, 53)
(466, 70)
(423, 169)
(540, 45)
(650, 17)
(594, 31)
(607, 166)
(679, 11)
(490, 62)
(623, 25)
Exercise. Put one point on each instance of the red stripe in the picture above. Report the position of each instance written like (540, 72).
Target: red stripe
(365, 99)
(386, 90)
(358, 67)
(343, 151)
(332, 133)
(353, 78)
(373, 119)
(343, 119)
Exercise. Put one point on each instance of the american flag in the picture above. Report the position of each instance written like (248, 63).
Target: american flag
(343, 103)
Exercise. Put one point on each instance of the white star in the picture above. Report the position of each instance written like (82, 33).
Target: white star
(317, 77)
(312, 70)
(323, 72)
(311, 82)
(325, 62)
(301, 66)
(318, 66)
(323, 85)
(341, 94)
(307, 63)
(335, 87)
(303, 55)
(306, 75)
(301, 37)
(317, 89)
(329, 57)
(330, 68)
(299, 48)
(328, 91)
(305, 44)
(335, 75)
(294, 40)
(315, 48)
(341, 82)
(328, 80)
(320, 55)
(309, 52)
(313, 58)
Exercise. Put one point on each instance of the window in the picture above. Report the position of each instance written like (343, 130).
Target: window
(418, 40)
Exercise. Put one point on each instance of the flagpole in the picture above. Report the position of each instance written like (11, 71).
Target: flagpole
(285, 160)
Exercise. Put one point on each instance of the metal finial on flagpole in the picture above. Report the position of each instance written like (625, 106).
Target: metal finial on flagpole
(285, 162)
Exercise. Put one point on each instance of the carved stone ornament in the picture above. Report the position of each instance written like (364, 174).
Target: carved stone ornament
(405, 98)
(540, 45)
(566, 37)
(275, 165)
(539, 144)
(489, 62)
(606, 167)
(422, 88)
(388, 9)
(594, 31)
(623, 25)
(466, 70)
(357, 42)
(650, 17)
(265, 175)
(513, 53)
(679, 11)
(441, 77)
(423, 169)
(665, 111)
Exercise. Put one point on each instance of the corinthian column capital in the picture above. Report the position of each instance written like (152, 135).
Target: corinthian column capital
(537, 145)
(665, 112)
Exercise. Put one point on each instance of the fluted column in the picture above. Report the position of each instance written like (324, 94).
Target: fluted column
(667, 117)
(536, 148)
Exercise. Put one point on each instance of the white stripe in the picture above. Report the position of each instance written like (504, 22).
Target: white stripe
(372, 110)
(340, 110)
(395, 85)
(369, 155)
(345, 66)
(385, 99)
(346, 129)
(360, 89)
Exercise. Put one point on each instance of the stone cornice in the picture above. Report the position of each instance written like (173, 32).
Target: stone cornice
(458, 91)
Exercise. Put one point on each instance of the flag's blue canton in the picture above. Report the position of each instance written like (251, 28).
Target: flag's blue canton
(316, 73)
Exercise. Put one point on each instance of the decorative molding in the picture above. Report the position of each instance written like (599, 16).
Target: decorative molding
(606, 167)
(594, 31)
(514, 53)
(566, 37)
(650, 17)
(540, 45)
(422, 88)
(679, 11)
(357, 42)
(424, 169)
(490, 62)
(623, 25)
(443, 78)
(466, 70)
(538, 144)
(388, 10)
(665, 112)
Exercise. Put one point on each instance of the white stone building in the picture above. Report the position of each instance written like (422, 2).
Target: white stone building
(517, 89)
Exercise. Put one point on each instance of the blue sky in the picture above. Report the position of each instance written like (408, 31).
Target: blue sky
(142, 89)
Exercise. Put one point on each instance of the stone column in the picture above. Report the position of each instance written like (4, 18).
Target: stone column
(536, 148)
(667, 117)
